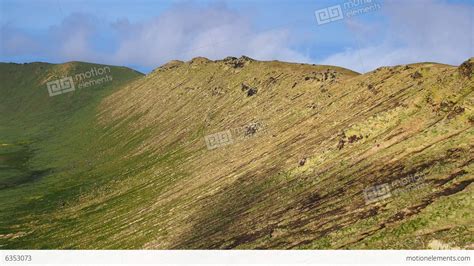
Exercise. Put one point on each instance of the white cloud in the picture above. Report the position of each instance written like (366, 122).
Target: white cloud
(413, 31)
(418, 31)
(67, 41)
(182, 32)
(72, 39)
(188, 31)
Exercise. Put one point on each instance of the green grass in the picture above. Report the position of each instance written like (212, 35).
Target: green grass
(46, 140)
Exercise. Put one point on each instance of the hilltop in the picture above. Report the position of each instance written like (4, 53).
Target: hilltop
(240, 154)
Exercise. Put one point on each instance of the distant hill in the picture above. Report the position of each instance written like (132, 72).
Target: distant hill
(237, 154)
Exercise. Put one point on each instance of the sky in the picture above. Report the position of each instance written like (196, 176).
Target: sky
(144, 34)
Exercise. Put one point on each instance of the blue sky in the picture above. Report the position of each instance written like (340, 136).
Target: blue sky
(144, 34)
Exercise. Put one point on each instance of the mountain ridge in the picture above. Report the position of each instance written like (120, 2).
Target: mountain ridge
(307, 144)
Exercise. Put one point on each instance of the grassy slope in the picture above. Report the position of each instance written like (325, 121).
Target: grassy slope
(44, 140)
(140, 175)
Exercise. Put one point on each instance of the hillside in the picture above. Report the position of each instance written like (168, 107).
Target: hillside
(36, 130)
(239, 154)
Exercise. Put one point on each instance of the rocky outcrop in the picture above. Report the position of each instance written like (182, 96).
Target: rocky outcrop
(466, 69)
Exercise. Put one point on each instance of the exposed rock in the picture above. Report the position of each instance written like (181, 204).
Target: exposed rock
(416, 75)
(466, 69)
(252, 128)
(355, 138)
(246, 59)
(446, 105)
(372, 89)
(234, 62)
(341, 143)
(457, 110)
(237, 62)
(302, 161)
(250, 91)
(229, 58)
(312, 106)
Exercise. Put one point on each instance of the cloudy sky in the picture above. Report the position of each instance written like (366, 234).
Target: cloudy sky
(144, 34)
